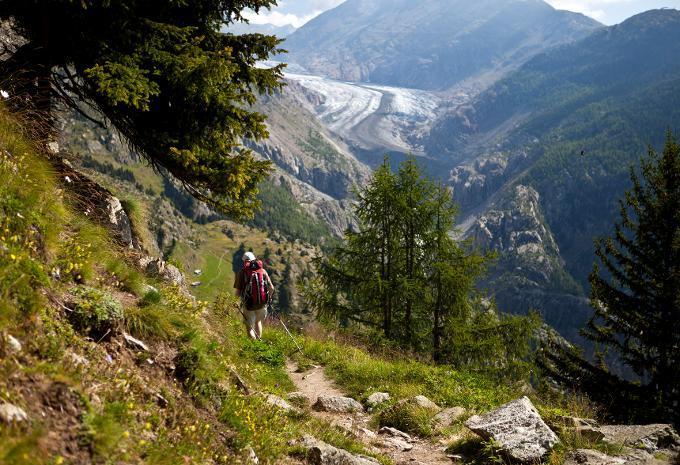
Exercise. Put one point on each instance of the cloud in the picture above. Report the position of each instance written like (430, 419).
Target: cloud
(280, 19)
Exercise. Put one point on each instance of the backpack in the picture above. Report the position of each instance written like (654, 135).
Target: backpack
(255, 294)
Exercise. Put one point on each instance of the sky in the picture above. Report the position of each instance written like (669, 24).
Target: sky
(298, 12)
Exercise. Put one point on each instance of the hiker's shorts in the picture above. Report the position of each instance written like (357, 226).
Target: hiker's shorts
(253, 316)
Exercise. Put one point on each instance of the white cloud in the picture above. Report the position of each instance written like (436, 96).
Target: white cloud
(281, 19)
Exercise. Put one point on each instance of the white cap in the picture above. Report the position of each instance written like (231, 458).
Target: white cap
(248, 256)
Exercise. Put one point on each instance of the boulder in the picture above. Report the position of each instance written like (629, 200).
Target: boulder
(376, 399)
(591, 457)
(647, 437)
(320, 453)
(11, 414)
(448, 416)
(424, 402)
(337, 404)
(517, 429)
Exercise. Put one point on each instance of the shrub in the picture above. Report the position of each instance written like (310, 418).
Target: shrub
(409, 417)
(95, 312)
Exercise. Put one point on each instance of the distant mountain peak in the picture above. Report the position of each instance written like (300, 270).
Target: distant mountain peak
(430, 44)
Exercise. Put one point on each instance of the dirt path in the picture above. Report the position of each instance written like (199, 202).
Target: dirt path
(314, 383)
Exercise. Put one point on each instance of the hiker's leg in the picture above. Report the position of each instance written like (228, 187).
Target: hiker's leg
(261, 315)
(251, 323)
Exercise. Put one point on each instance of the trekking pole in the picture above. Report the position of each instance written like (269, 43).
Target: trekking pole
(278, 316)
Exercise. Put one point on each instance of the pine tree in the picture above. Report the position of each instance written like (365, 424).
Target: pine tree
(636, 298)
(161, 73)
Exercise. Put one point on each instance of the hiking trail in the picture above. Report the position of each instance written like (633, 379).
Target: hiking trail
(314, 383)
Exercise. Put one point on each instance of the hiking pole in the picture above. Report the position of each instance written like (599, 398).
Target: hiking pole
(278, 316)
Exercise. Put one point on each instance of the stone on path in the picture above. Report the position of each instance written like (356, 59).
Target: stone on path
(518, 430)
(320, 453)
(648, 437)
(448, 416)
(337, 404)
(11, 414)
(396, 439)
(377, 398)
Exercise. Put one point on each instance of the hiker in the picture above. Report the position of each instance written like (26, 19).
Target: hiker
(255, 289)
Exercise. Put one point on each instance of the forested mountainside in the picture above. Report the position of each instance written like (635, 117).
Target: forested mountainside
(568, 125)
(430, 44)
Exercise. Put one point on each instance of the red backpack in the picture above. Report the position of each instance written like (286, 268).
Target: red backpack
(256, 294)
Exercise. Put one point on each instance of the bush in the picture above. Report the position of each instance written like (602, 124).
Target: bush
(409, 417)
(95, 312)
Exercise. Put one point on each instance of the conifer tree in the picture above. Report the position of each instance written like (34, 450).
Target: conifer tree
(160, 72)
(404, 273)
(636, 297)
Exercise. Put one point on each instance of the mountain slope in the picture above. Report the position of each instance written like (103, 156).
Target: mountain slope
(568, 124)
(430, 44)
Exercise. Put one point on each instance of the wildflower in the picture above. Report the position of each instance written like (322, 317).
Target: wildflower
(4, 94)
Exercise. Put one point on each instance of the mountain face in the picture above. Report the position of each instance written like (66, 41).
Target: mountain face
(568, 125)
(430, 44)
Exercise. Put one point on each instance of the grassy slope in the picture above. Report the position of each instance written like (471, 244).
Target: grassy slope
(178, 402)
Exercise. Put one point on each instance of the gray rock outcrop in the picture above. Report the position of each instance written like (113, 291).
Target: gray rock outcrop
(277, 402)
(591, 457)
(320, 453)
(647, 437)
(517, 429)
(337, 404)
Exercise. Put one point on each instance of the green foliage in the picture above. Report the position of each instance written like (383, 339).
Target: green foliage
(104, 431)
(95, 312)
(403, 273)
(264, 353)
(281, 212)
(409, 417)
(636, 298)
(178, 89)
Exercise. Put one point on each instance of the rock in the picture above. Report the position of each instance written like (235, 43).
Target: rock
(424, 402)
(11, 414)
(376, 399)
(648, 437)
(588, 432)
(448, 416)
(13, 344)
(395, 433)
(591, 457)
(641, 457)
(397, 443)
(173, 275)
(320, 453)
(119, 220)
(251, 457)
(162, 269)
(135, 343)
(518, 430)
(298, 397)
(276, 401)
(337, 404)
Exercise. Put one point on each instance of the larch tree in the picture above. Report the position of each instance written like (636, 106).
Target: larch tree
(160, 72)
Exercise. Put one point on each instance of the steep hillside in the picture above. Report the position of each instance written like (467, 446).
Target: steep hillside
(568, 124)
(431, 44)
